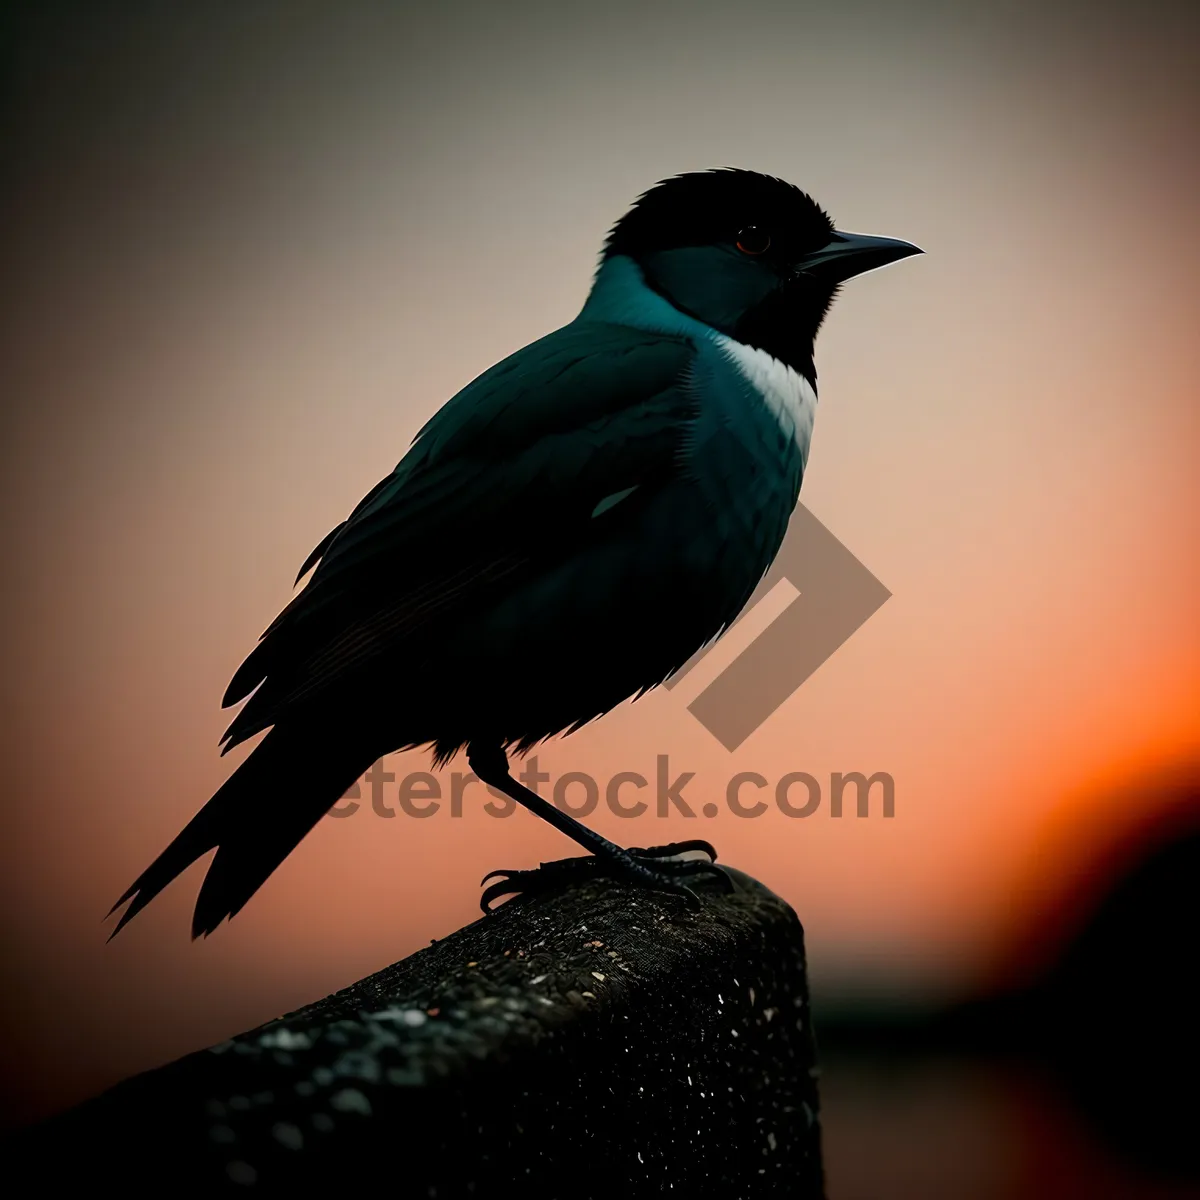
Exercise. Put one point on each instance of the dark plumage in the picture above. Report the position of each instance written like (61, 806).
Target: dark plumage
(699, 208)
(563, 534)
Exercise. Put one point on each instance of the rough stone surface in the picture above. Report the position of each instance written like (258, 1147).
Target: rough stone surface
(602, 1040)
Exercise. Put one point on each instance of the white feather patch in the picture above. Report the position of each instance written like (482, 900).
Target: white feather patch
(786, 392)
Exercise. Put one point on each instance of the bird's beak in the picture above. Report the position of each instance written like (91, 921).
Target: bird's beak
(850, 254)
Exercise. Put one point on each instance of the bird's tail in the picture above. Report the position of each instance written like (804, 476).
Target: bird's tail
(256, 819)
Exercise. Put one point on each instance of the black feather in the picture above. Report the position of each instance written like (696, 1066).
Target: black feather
(255, 820)
(312, 560)
(706, 207)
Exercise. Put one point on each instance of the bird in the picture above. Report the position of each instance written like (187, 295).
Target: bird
(562, 536)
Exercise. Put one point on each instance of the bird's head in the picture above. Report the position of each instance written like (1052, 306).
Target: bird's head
(748, 254)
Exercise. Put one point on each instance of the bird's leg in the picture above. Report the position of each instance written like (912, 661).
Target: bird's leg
(659, 867)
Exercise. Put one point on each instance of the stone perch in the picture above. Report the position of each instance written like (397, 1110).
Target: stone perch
(602, 1041)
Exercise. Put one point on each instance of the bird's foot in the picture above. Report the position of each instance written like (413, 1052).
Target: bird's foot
(663, 868)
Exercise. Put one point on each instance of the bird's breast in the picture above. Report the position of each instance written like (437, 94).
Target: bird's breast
(789, 398)
(745, 463)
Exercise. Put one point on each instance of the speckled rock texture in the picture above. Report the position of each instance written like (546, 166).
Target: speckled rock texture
(600, 1041)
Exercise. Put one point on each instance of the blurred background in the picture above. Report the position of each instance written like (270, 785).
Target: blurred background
(245, 252)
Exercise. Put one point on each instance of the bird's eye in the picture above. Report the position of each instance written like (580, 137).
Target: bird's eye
(754, 239)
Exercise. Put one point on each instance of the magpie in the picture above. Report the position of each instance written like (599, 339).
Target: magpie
(562, 536)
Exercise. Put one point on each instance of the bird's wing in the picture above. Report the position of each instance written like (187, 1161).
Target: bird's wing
(531, 458)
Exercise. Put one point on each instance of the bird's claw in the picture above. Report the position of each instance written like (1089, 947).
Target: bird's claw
(661, 868)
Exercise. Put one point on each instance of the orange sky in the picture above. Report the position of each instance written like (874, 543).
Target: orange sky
(244, 266)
